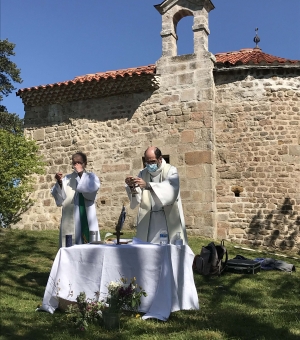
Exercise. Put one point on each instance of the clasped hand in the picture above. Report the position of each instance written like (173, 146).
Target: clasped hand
(135, 182)
(59, 176)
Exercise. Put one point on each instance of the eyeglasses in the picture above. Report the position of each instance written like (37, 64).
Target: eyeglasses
(153, 161)
(75, 162)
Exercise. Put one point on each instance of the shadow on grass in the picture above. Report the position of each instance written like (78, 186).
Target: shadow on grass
(23, 260)
(233, 306)
(261, 306)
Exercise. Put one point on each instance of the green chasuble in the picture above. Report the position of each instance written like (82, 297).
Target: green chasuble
(85, 232)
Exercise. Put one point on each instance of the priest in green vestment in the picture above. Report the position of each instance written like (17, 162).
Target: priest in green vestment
(76, 194)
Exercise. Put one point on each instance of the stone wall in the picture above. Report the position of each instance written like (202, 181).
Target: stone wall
(258, 156)
(233, 134)
(242, 140)
(115, 131)
(112, 134)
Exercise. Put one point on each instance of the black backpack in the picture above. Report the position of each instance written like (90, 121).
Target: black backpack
(210, 261)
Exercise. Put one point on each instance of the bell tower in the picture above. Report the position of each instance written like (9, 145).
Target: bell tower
(172, 12)
(187, 99)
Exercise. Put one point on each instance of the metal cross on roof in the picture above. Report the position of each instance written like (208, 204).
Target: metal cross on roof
(256, 38)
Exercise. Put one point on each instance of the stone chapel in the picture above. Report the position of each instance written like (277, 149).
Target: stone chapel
(229, 122)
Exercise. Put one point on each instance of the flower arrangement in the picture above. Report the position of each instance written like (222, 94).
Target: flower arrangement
(121, 296)
(85, 311)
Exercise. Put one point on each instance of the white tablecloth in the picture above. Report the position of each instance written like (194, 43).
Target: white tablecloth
(164, 272)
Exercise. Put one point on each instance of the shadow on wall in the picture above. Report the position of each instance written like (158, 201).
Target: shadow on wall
(278, 229)
(95, 109)
(223, 78)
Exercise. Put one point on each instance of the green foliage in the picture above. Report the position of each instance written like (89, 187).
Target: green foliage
(11, 122)
(19, 161)
(86, 311)
(18, 156)
(8, 70)
(121, 296)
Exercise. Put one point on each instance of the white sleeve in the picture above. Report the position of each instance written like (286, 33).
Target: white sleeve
(134, 200)
(88, 185)
(59, 193)
(167, 191)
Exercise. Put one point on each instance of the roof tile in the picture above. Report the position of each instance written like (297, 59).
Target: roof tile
(99, 84)
(150, 69)
(138, 79)
(251, 56)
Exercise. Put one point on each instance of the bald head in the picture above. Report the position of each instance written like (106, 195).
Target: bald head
(152, 152)
(153, 156)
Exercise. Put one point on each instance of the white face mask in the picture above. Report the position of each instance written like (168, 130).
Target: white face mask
(151, 167)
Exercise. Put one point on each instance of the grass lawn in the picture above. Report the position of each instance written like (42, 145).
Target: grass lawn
(233, 306)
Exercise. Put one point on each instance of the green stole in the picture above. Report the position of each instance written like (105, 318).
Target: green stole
(85, 231)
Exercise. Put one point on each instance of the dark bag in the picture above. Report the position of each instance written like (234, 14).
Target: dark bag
(241, 266)
(210, 261)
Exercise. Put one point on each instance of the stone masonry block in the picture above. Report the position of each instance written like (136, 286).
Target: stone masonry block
(158, 143)
(185, 195)
(115, 168)
(230, 175)
(222, 217)
(198, 157)
(67, 142)
(234, 231)
(203, 106)
(187, 136)
(174, 112)
(197, 117)
(169, 99)
(137, 165)
(186, 78)
(168, 81)
(194, 172)
(198, 196)
(183, 148)
(294, 150)
(39, 135)
(188, 95)
(238, 208)
(189, 220)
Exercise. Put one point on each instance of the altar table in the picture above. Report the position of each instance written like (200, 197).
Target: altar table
(164, 272)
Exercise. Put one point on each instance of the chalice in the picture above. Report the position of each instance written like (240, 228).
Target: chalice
(132, 185)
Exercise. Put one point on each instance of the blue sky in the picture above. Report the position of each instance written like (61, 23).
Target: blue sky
(57, 40)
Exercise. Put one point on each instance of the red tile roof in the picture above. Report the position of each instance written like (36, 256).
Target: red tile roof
(251, 56)
(150, 69)
(133, 80)
(101, 84)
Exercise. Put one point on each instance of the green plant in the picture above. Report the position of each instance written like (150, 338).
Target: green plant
(123, 295)
(85, 311)
(20, 163)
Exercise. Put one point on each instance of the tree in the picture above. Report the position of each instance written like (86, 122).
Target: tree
(8, 71)
(19, 157)
(20, 160)
(11, 122)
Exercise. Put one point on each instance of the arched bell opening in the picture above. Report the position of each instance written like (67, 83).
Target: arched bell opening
(183, 22)
(185, 36)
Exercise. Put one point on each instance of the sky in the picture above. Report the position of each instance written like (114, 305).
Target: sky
(57, 40)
